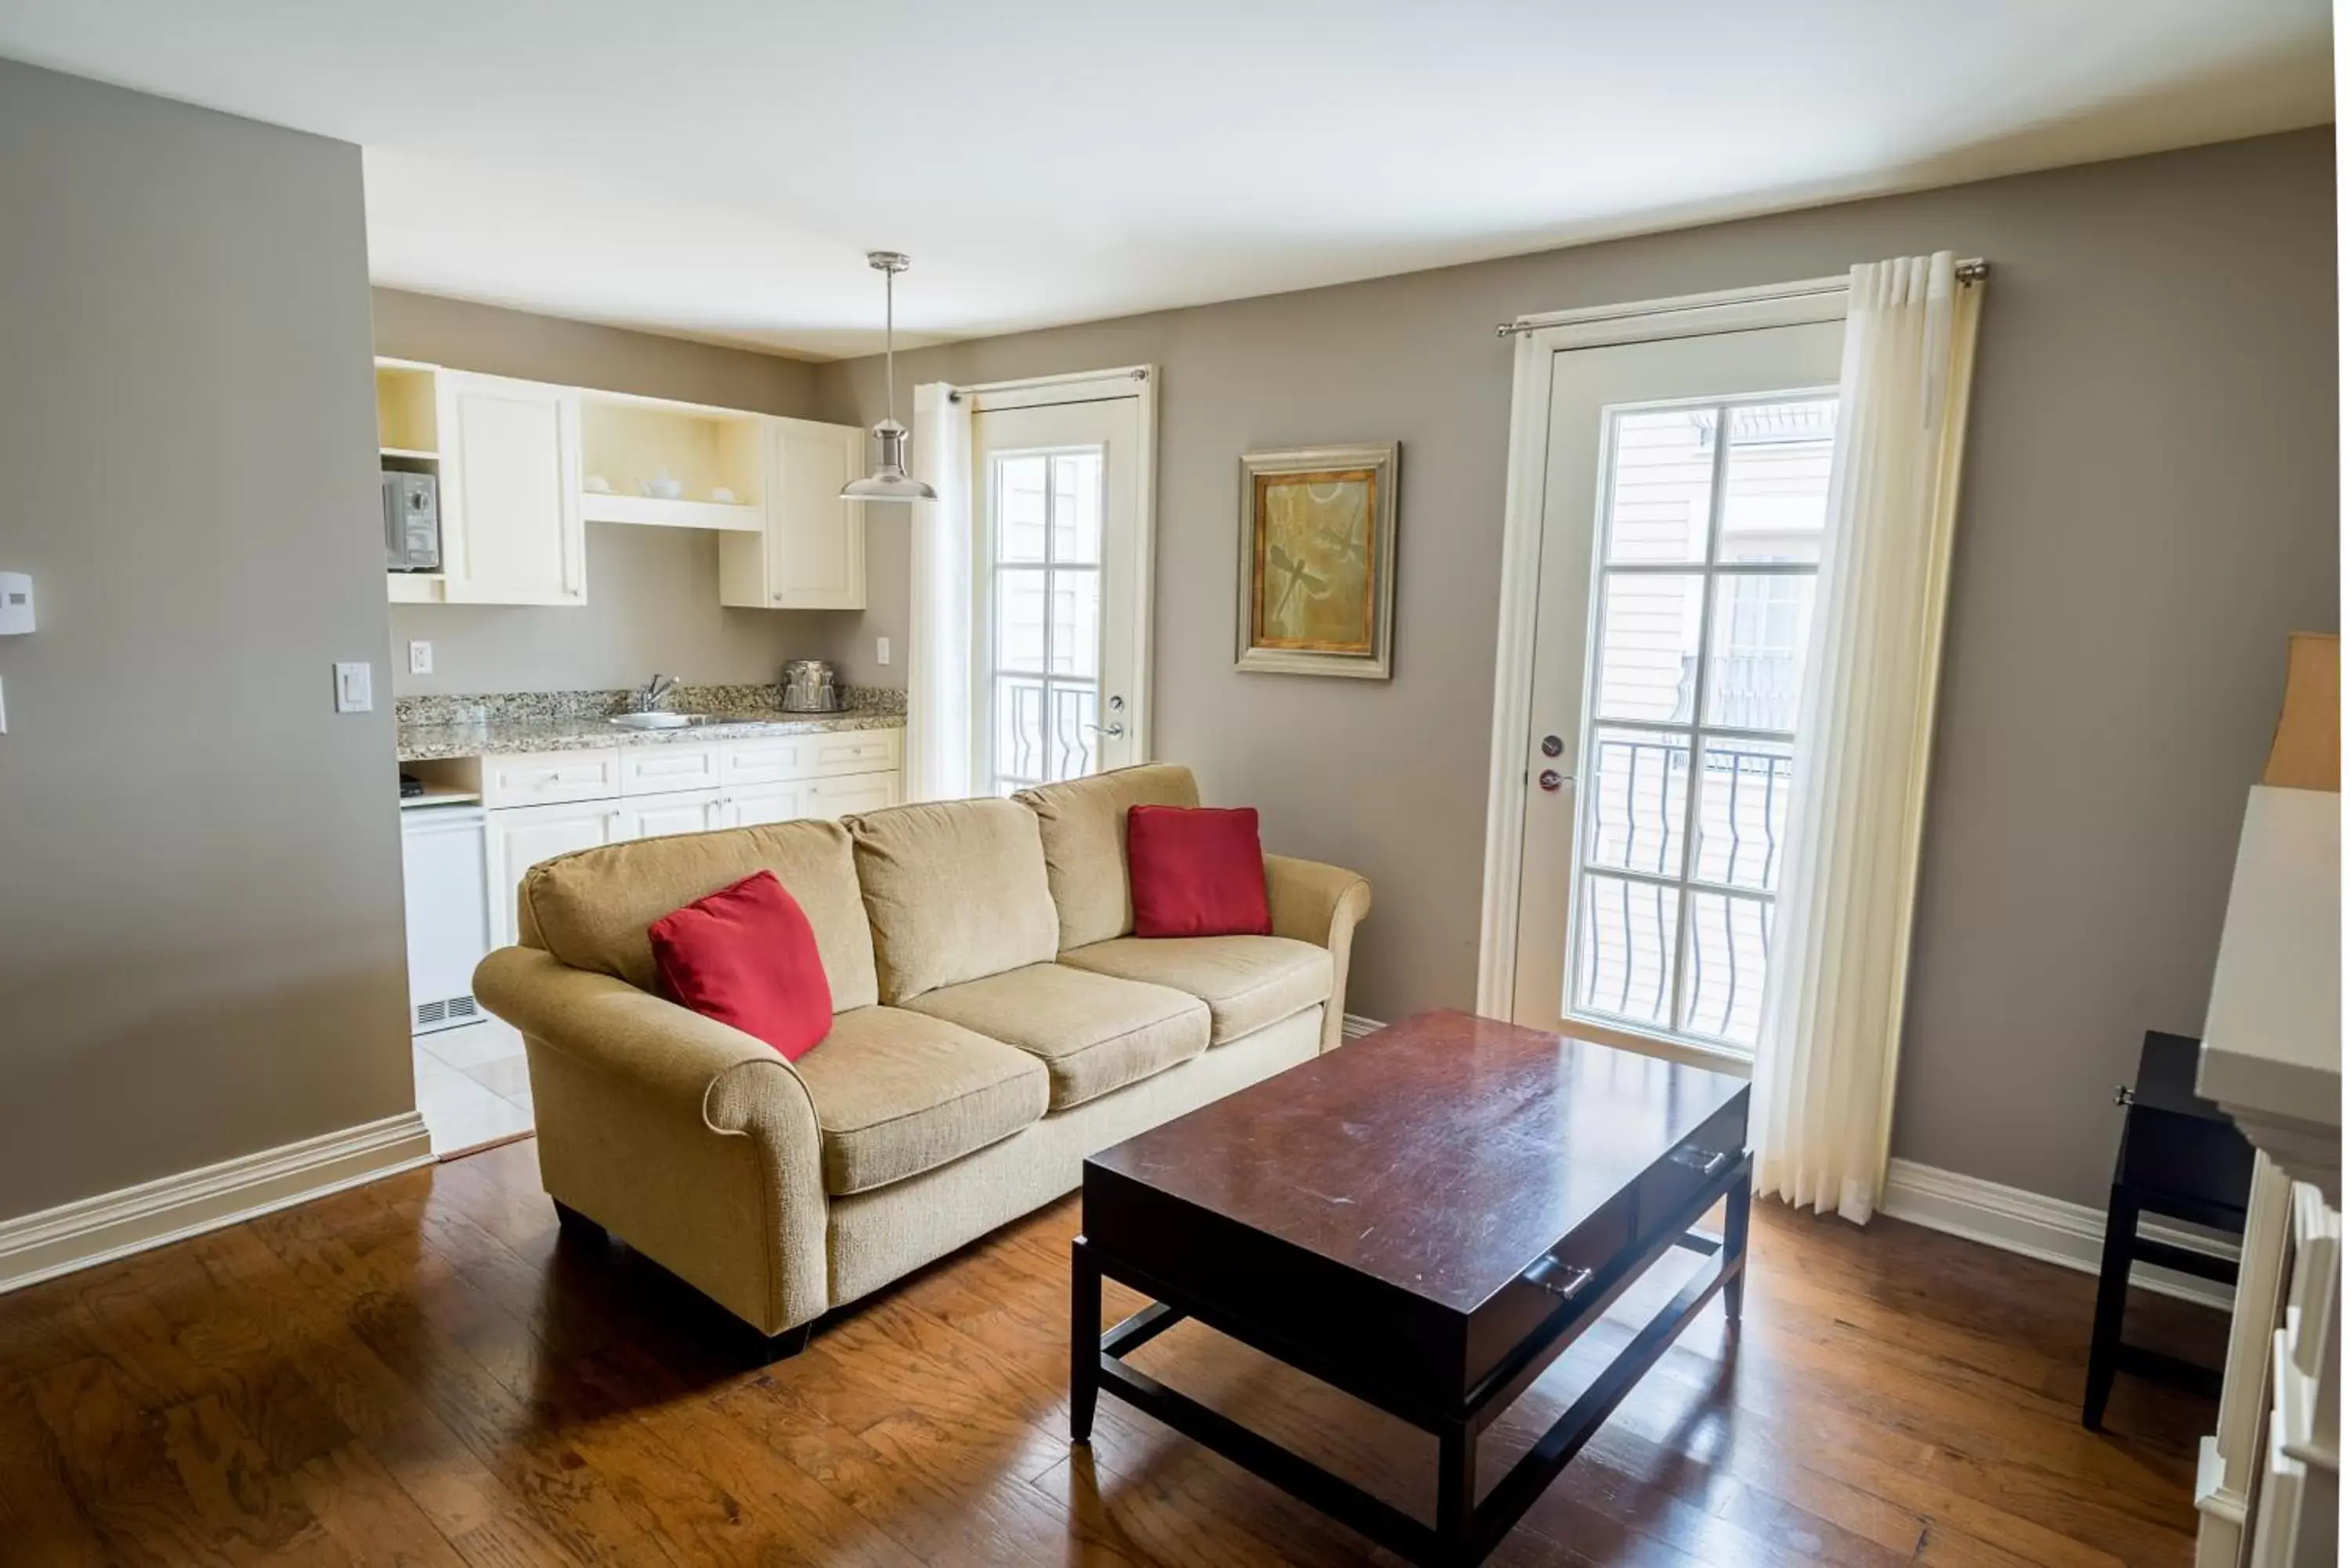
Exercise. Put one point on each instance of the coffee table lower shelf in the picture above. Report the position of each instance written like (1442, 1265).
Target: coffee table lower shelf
(1465, 1530)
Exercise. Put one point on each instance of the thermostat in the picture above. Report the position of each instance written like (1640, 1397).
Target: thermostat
(16, 603)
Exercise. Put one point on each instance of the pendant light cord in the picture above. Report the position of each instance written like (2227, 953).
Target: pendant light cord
(890, 339)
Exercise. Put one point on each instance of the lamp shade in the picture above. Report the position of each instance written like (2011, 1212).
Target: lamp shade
(888, 481)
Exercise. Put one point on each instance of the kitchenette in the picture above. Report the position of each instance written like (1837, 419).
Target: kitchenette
(551, 527)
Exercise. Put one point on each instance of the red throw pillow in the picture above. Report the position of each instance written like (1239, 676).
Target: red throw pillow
(1197, 872)
(746, 955)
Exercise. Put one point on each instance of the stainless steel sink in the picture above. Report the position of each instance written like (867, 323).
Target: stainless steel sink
(657, 720)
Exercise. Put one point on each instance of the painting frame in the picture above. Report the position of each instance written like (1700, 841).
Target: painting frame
(1368, 657)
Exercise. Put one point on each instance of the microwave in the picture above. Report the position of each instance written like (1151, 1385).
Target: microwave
(411, 522)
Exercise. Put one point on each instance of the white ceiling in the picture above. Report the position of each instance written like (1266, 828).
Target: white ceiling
(715, 168)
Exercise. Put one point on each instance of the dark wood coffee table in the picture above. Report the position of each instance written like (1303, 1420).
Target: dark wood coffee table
(1425, 1218)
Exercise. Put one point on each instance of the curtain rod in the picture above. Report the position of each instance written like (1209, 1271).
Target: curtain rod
(957, 394)
(1966, 272)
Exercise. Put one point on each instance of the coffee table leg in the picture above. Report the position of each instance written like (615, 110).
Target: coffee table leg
(1084, 1341)
(1737, 1213)
(1456, 1489)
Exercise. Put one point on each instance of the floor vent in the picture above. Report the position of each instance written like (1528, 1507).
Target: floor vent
(447, 1014)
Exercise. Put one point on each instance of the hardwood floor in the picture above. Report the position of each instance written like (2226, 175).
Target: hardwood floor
(420, 1372)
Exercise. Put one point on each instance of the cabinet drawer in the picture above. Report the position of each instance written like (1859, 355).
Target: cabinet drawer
(776, 760)
(855, 752)
(548, 778)
(662, 770)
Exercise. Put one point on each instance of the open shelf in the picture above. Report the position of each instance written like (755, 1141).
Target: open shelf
(406, 417)
(730, 516)
(416, 588)
(408, 453)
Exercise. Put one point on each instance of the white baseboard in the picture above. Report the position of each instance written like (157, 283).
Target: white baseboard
(113, 1225)
(2049, 1229)
(1354, 1025)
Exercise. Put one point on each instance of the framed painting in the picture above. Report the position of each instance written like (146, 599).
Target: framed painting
(1317, 561)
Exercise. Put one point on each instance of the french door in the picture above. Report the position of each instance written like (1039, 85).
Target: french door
(1061, 608)
(1684, 497)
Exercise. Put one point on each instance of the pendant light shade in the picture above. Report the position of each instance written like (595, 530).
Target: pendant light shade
(888, 481)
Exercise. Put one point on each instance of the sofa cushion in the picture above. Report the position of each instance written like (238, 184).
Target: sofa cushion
(955, 889)
(591, 909)
(745, 956)
(896, 1093)
(1094, 1032)
(1246, 982)
(1083, 823)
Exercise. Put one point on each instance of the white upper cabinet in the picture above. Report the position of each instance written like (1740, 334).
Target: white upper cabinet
(511, 532)
(811, 553)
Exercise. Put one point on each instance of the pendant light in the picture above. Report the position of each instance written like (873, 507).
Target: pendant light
(888, 480)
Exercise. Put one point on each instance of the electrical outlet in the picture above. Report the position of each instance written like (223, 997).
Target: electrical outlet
(420, 659)
(354, 688)
(881, 650)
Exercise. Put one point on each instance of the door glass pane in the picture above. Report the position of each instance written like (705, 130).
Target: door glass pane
(1073, 740)
(1623, 959)
(1741, 813)
(1728, 949)
(1076, 623)
(1774, 502)
(1660, 487)
(1078, 507)
(1637, 801)
(1647, 647)
(1020, 754)
(1019, 619)
(1762, 623)
(1020, 508)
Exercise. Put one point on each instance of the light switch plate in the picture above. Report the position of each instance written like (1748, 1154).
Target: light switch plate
(420, 659)
(881, 650)
(354, 688)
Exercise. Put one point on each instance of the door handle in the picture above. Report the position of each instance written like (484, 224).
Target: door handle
(1550, 779)
(1111, 730)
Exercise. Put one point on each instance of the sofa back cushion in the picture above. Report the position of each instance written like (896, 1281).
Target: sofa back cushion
(955, 889)
(1083, 823)
(592, 909)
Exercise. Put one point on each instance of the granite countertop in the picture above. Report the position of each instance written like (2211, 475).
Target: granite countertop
(436, 729)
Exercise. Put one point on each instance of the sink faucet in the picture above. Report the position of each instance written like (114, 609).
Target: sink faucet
(654, 693)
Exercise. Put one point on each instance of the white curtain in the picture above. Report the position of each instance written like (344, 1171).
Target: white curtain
(938, 638)
(1832, 1022)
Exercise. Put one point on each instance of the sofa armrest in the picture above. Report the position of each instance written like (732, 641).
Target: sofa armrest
(1319, 903)
(692, 1141)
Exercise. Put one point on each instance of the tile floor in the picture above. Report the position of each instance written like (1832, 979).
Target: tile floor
(473, 1087)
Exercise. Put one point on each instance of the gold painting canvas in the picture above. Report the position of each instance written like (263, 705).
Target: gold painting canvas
(1316, 568)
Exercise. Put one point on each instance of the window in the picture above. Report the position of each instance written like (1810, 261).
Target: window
(1708, 558)
(1043, 582)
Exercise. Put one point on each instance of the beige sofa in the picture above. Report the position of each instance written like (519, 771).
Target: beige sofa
(996, 1020)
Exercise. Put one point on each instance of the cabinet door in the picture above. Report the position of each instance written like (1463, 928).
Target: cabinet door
(815, 541)
(523, 836)
(751, 804)
(659, 815)
(853, 793)
(510, 531)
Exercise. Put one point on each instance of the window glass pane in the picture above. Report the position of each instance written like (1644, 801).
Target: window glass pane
(1072, 742)
(1774, 497)
(1741, 813)
(1076, 623)
(1761, 624)
(1019, 619)
(1078, 506)
(1020, 508)
(1647, 647)
(1020, 754)
(1636, 802)
(1662, 489)
(1730, 947)
(1624, 943)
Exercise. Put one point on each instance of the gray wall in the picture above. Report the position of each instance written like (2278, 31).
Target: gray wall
(2150, 506)
(201, 948)
(652, 593)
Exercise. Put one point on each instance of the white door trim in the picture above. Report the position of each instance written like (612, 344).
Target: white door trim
(1541, 336)
(1139, 382)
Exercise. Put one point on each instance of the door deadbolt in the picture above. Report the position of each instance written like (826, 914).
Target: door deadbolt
(1551, 745)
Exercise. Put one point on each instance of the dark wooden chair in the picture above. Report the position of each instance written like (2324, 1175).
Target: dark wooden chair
(2180, 1157)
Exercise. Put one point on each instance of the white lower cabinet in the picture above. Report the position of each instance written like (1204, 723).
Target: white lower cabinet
(521, 836)
(641, 792)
